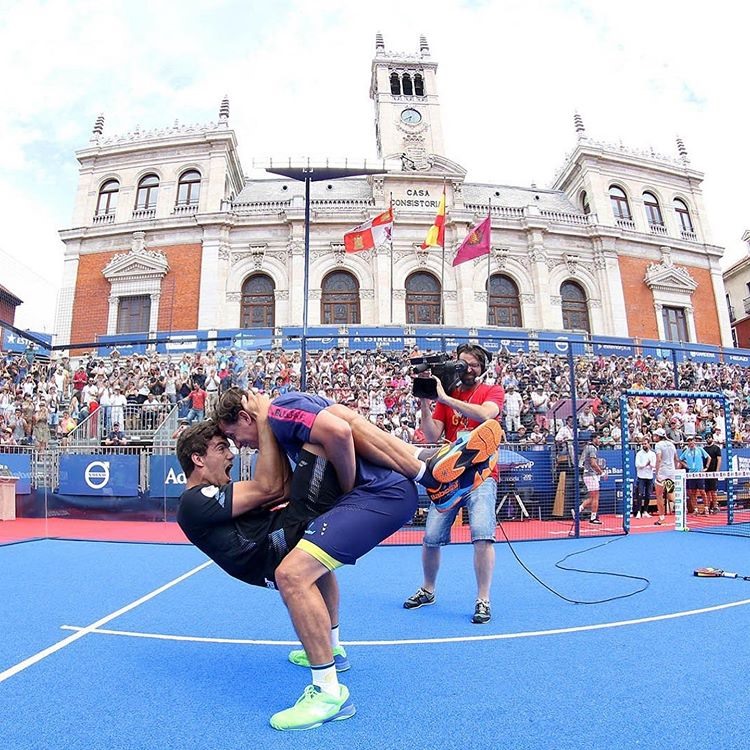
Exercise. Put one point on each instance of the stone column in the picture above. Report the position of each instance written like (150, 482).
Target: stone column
(545, 315)
(208, 301)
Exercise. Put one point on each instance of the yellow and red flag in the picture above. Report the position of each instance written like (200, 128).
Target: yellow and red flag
(436, 233)
(371, 234)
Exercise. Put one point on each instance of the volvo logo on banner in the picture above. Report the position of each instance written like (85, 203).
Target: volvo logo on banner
(96, 474)
(100, 474)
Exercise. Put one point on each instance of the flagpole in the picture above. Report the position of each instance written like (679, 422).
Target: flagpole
(489, 256)
(392, 228)
(442, 262)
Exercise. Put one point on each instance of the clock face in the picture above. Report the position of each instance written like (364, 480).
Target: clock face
(411, 116)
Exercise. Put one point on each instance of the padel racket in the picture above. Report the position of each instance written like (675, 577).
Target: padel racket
(717, 573)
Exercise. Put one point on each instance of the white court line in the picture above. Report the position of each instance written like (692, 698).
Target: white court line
(418, 641)
(93, 627)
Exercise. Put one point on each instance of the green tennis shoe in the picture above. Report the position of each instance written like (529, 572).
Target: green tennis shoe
(313, 709)
(299, 658)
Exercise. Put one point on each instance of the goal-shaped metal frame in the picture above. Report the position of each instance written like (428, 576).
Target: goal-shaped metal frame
(628, 475)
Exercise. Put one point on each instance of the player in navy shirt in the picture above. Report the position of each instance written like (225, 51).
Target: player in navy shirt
(376, 501)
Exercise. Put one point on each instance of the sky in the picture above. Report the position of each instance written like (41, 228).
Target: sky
(510, 77)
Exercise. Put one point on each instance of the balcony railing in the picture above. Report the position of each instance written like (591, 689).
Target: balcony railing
(108, 218)
(625, 224)
(658, 229)
(746, 305)
(692, 236)
(185, 208)
(144, 213)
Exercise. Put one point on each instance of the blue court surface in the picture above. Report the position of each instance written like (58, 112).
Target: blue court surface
(109, 645)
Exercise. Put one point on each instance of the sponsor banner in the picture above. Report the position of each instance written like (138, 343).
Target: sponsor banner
(610, 346)
(701, 353)
(99, 474)
(245, 338)
(167, 479)
(502, 340)
(535, 477)
(737, 357)
(659, 350)
(179, 342)
(318, 337)
(19, 465)
(559, 343)
(14, 342)
(385, 339)
(105, 345)
(441, 339)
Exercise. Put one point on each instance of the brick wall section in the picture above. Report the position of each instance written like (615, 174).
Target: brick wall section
(180, 288)
(7, 311)
(639, 302)
(742, 330)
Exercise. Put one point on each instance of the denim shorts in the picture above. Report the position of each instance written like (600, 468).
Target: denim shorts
(481, 506)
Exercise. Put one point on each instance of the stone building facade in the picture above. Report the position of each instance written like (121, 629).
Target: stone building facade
(169, 234)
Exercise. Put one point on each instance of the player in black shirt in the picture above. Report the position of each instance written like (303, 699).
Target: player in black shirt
(713, 464)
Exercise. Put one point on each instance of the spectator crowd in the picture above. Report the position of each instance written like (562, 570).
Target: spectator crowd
(44, 400)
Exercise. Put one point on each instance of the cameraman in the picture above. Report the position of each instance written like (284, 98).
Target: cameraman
(469, 404)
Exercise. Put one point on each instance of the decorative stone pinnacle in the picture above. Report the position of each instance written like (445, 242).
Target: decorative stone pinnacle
(578, 122)
(98, 128)
(224, 109)
(681, 150)
(379, 44)
(424, 48)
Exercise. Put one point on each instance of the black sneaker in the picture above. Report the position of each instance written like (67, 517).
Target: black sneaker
(596, 521)
(482, 612)
(421, 599)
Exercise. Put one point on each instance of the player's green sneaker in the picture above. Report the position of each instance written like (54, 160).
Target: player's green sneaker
(313, 709)
(299, 658)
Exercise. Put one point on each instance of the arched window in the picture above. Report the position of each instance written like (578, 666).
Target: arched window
(683, 217)
(406, 84)
(189, 188)
(585, 206)
(653, 212)
(148, 189)
(339, 303)
(575, 309)
(107, 202)
(620, 206)
(395, 84)
(423, 299)
(257, 307)
(505, 306)
(418, 85)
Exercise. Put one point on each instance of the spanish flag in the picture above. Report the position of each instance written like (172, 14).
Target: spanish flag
(436, 233)
(371, 234)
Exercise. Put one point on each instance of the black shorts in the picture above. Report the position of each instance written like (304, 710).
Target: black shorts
(694, 484)
(711, 485)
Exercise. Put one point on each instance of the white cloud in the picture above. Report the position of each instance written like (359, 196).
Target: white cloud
(510, 76)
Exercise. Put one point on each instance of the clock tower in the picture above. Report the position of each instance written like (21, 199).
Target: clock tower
(407, 109)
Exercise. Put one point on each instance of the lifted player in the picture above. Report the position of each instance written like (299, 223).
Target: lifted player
(248, 530)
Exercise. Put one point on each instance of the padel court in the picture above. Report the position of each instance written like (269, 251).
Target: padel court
(123, 645)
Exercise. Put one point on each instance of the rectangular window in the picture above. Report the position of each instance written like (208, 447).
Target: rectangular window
(675, 324)
(134, 314)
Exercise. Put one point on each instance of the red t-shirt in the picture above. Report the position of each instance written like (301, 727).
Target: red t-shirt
(198, 399)
(454, 422)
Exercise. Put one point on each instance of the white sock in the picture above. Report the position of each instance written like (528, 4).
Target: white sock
(335, 643)
(422, 469)
(325, 678)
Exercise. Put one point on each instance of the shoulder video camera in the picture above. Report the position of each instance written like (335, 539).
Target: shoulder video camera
(441, 366)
